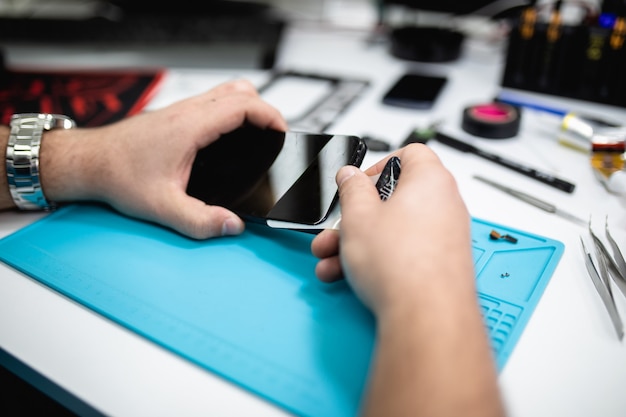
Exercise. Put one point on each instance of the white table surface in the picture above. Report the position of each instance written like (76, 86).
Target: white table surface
(568, 361)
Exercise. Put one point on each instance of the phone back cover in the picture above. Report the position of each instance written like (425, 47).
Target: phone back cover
(249, 308)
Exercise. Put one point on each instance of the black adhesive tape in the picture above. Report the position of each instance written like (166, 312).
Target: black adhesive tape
(492, 121)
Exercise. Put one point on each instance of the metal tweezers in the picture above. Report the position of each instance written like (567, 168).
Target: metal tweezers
(608, 267)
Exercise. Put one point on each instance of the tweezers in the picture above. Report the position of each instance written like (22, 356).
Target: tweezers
(608, 267)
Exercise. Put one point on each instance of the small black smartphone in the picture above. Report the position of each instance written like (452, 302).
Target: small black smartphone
(415, 91)
(263, 174)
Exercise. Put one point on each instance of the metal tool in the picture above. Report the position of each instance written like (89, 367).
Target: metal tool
(608, 267)
(543, 205)
(620, 263)
(615, 264)
(604, 290)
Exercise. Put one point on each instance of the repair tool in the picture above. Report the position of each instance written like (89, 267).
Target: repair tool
(604, 291)
(601, 275)
(543, 205)
(388, 179)
(615, 264)
(543, 177)
(620, 264)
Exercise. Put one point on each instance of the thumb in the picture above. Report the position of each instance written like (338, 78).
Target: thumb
(198, 220)
(357, 194)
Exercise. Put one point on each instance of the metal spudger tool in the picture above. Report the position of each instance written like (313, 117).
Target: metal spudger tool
(543, 205)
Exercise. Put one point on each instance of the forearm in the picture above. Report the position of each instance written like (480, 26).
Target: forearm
(433, 358)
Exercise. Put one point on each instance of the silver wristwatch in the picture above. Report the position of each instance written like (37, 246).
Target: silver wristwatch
(22, 157)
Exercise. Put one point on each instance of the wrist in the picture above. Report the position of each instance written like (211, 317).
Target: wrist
(69, 165)
(436, 291)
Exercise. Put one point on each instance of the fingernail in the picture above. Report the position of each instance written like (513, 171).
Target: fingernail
(345, 173)
(231, 227)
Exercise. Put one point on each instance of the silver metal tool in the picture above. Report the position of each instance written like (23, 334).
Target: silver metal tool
(608, 267)
(543, 205)
(620, 263)
(614, 265)
(604, 290)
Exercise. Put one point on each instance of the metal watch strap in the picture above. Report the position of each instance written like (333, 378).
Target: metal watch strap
(22, 157)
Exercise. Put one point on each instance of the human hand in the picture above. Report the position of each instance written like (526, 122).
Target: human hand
(390, 250)
(141, 165)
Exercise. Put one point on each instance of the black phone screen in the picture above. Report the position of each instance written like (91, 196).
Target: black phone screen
(269, 175)
(417, 91)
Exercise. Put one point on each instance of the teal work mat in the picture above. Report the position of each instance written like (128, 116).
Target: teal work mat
(249, 308)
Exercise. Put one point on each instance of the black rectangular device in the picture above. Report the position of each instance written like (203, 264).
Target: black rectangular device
(263, 174)
(415, 91)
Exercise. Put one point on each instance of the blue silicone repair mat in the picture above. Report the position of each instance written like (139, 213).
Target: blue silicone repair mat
(249, 308)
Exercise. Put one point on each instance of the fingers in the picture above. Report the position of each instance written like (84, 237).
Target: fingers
(329, 269)
(357, 196)
(377, 168)
(260, 113)
(359, 201)
(207, 120)
(263, 115)
(196, 219)
(240, 86)
(235, 86)
(325, 244)
(418, 157)
(412, 154)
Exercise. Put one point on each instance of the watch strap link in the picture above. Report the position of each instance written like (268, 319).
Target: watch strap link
(22, 158)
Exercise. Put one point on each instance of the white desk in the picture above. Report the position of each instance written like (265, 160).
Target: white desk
(568, 362)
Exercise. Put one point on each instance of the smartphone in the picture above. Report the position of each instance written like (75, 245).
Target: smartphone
(264, 175)
(415, 91)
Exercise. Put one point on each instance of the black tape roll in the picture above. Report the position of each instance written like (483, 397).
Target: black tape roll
(492, 121)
